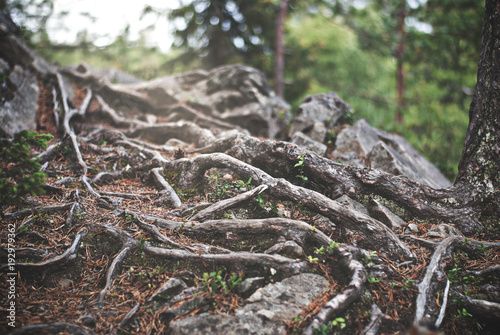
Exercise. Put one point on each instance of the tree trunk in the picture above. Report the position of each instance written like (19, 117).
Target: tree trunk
(400, 50)
(280, 61)
(480, 163)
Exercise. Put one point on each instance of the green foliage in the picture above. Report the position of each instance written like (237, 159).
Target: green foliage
(373, 280)
(319, 251)
(19, 170)
(220, 187)
(215, 282)
(462, 313)
(331, 327)
(312, 259)
(333, 245)
(300, 165)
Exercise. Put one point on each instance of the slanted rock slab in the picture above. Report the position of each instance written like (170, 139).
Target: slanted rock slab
(265, 312)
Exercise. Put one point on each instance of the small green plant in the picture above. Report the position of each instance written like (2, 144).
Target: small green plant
(373, 280)
(260, 200)
(234, 280)
(323, 330)
(300, 165)
(221, 187)
(340, 322)
(483, 249)
(463, 313)
(79, 215)
(20, 173)
(214, 282)
(368, 259)
(472, 280)
(247, 186)
(312, 259)
(319, 251)
(333, 245)
(453, 274)
(327, 329)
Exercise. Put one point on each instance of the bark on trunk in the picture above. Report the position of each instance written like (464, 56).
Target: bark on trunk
(480, 163)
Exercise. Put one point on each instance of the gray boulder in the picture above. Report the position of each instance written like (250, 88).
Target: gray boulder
(388, 152)
(305, 141)
(443, 231)
(326, 108)
(265, 312)
(18, 110)
(234, 93)
(384, 215)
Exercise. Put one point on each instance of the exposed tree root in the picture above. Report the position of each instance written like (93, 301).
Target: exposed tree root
(168, 194)
(278, 158)
(227, 204)
(178, 240)
(375, 319)
(52, 328)
(59, 261)
(375, 234)
(343, 300)
(428, 287)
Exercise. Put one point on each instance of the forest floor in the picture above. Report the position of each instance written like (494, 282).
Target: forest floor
(74, 266)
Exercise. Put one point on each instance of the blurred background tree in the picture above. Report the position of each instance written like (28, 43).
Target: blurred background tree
(407, 66)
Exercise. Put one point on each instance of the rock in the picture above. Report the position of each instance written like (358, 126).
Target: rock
(284, 300)
(289, 248)
(443, 231)
(250, 285)
(234, 93)
(384, 215)
(19, 112)
(305, 141)
(387, 152)
(266, 310)
(205, 324)
(172, 287)
(358, 139)
(352, 204)
(326, 108)
(412, 228)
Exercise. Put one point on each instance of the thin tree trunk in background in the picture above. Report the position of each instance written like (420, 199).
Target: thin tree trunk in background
(400, 50)
(279, 82)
